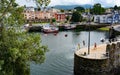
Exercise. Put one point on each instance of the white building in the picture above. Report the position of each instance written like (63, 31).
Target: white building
(29, 9)
(100, 18)
(107, 18)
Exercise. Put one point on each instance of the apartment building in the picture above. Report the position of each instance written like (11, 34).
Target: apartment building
(31, 14)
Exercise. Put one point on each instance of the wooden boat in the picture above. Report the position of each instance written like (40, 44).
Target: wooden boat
(50, 29)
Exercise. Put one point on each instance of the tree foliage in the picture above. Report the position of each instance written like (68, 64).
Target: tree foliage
(68, 18)
(42, 3)
(80, 9)
(17, 48)
(76, 17)
(53, 20)
(116, 7)
(62, 10)
(97, 9)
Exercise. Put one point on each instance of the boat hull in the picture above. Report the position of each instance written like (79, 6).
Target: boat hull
(50, 31)
(69, 27)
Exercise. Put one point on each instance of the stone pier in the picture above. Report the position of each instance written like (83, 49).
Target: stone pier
(102, 59)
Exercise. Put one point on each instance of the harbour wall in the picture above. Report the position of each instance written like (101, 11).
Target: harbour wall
(108, 66)
(90, 66)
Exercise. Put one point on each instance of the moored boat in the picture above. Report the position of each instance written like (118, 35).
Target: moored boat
(69, 27)
(50, 29)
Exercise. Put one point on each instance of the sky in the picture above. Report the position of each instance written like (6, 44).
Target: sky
(104, 3)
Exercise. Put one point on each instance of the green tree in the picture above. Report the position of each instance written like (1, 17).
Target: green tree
(97, 9)
(115, 7)
(42, 3)
(53, 20)
(80, 9)
(17, 48)
(68, 18)
(76, 17)
(62, 10)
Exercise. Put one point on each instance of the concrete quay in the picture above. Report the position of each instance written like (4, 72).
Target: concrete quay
(95, 53)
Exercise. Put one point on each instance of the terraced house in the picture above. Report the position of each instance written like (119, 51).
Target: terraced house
(34, 15)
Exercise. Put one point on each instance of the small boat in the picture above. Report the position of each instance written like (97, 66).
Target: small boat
(25, 27)
(50, 29)
(69, 27)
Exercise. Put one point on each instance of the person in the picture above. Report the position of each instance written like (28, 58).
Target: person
(111, 34)
(83, 43)
(78, 46)
(95, 46)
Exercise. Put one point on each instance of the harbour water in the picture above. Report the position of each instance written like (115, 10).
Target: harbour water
(60, 58)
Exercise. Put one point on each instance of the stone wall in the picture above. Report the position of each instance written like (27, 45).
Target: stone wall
(91, 66)
(113, 49)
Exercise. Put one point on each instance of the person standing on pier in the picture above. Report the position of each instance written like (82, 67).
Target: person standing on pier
(111, 34)
(95, 46)
(78, 46)
(83, 43)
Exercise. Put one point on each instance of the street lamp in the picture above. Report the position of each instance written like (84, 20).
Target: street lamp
(89, 33)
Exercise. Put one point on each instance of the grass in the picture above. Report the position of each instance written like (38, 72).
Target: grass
(103, 29)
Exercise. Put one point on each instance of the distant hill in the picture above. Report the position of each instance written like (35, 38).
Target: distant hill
(67, 7)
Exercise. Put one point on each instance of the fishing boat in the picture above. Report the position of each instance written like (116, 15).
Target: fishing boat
(50, 29)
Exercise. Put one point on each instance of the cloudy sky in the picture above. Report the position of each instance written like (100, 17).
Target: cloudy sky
(73, 2)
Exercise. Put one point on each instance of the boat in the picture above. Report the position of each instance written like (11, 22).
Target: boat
(50, 29)
(69, 27)
(25, 27)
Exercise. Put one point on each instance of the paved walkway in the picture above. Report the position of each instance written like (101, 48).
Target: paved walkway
(95, 53)
(117, 27)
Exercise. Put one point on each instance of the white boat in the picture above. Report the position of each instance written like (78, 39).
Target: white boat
(69, 27)
(25, 27)
(50, 29)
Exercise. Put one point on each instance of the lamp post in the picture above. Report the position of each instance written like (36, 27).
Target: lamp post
(89, 33)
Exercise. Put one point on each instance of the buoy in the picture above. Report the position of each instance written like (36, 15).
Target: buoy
(55, 34)
(102, 40)
(66, 35)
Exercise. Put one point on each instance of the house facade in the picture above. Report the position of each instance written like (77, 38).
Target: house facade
(107, 18)
(37, 16)
(31, 14)
(100, 18)
(116, 17)
(60, 17)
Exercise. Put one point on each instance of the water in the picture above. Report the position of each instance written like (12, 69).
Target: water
(60, 58)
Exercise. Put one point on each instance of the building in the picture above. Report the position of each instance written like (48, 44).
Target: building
(30, 14)
(37, 16)
(113, 17)
(29, 9)
(100, 19)
(60, 17)
(116, 17)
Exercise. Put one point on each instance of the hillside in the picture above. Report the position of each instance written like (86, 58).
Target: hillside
(67, 7)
